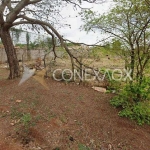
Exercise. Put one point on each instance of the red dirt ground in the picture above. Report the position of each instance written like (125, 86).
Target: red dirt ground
(67, 115)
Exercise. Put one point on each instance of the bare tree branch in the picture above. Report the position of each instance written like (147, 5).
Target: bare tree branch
(11, 17)
(34, 1)
(96, 44)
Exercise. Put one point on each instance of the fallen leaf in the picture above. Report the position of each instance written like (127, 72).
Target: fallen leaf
(12, 124)
(18, 101)
(110, 147)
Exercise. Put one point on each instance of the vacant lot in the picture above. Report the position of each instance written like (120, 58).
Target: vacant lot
(65, 117)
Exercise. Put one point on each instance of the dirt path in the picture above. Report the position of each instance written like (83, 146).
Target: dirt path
(69, 117)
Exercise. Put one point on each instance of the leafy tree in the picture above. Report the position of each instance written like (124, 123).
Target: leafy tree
(129, 23)
(128, 26)
(37, 14)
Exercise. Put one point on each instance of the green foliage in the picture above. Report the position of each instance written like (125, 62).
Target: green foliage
(95, 53)
(26, 121)
(15, 113)
(141, 91)
(109, 49)
(139, 112)
(121, 100)
(49, 42)
(33, 45)
(135, 101)
(124, 22)
(136, 92)
(59, 48)
(82, 147)
(21, 45)
(116, 47)
(100, 52)
(114, 86)
(72, 44)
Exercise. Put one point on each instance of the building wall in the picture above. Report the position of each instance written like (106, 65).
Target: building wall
(22, 37)
(22, 53)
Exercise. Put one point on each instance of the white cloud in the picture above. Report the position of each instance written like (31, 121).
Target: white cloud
(72, 18)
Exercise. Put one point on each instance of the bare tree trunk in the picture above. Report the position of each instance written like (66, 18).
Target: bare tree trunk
(11, 54)
(28, 52)
(28, 47)
(132, 63)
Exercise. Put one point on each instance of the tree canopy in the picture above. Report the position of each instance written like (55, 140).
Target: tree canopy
(129, 22)
(36, 14)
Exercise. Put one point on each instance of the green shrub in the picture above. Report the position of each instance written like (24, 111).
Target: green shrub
(134, 100)
(82, 147)
(139, 112)
(119, 101)
(140, 92)
(114, 85)
(26, 121)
